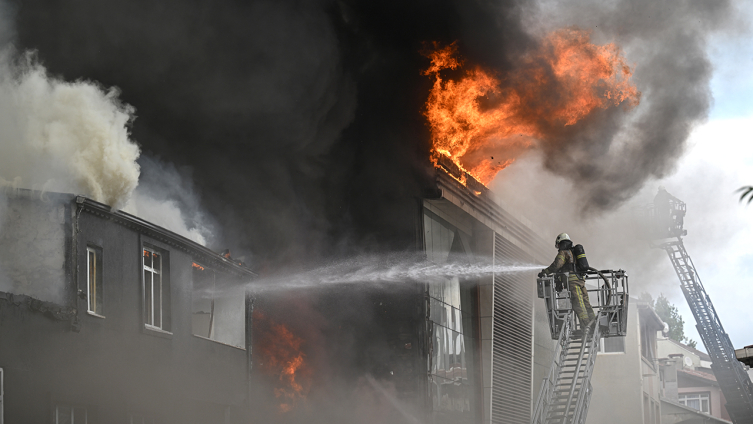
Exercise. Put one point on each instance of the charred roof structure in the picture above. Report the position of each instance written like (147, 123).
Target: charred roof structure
(107, 318)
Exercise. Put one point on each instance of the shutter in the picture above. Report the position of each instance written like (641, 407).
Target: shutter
(512, 342)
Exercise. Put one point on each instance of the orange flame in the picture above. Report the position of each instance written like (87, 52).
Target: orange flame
(197, 266)
(483, 123)
(282, 358)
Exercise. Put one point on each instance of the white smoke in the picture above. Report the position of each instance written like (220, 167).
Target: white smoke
(167, 198)
(64, 136)
(74, 137)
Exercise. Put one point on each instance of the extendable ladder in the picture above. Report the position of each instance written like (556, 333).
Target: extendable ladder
(667, 215)
(566, 391)
(730, 374)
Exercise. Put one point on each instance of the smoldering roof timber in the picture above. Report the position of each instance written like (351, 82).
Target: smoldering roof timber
(302, 121)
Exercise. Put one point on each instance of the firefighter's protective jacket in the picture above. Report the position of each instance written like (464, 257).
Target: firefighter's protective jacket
(564, 262)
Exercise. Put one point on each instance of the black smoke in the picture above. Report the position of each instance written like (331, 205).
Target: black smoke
(610, 156)
(301, 121)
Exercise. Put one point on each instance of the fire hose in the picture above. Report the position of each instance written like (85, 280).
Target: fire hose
(606, 284)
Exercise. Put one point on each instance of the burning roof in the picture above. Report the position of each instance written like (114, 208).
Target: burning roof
(483, 121)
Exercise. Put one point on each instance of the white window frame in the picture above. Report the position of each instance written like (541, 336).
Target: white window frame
(151, 307)
(700, 396)
(603, 352)
(89, 298)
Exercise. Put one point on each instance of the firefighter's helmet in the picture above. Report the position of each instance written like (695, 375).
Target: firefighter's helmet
(560, 238)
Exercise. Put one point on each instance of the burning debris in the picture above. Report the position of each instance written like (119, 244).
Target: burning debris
(483, 122)
(283, 361)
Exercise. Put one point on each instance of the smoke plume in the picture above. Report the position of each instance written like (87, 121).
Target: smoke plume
(302, 125)
(62, 136)
(610, 158)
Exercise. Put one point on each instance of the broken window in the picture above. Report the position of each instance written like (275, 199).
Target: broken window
(156, 289)
(219, 307)
(94, 285)
(453, 387)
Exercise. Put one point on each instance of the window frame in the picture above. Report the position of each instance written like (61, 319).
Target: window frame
(602, 351)
(99, 274)
(163, 280)
(682, 398)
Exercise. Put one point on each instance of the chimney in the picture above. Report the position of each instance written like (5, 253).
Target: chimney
(669, 369)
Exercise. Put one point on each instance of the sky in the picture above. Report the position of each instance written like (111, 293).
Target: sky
(717, 161)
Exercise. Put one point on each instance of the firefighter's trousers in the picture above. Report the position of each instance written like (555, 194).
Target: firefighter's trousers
(580, 302)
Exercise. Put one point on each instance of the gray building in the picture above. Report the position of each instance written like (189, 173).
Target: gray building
(106, 318)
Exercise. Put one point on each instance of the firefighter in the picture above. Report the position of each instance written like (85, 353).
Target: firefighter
(565, 262)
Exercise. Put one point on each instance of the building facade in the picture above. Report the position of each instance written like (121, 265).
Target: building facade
(626, 377)
(106, 318)
(689, 380)
(501, 333)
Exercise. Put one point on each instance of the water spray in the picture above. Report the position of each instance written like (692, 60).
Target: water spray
(388, 269)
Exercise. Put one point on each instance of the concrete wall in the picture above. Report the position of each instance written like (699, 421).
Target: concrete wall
(715, 397)
(666, 347)
(33, 233)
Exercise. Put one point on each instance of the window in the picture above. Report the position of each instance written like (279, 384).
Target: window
(156, 290)
(94, 289)
(698, 401)
(648, 344)
(69, 414)
(612, 345)
(219, 307)
(452, 314)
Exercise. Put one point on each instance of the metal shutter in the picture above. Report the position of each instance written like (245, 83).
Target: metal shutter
(512, 341)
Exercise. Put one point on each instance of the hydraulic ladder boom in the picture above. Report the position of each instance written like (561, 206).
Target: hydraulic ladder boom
(735, 383)
(733, 380)
(566, 391)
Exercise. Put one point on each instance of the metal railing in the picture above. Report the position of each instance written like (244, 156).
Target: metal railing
(609, 295)
(565, 393)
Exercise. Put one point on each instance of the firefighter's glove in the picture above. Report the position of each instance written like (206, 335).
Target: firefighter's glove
(542, 274)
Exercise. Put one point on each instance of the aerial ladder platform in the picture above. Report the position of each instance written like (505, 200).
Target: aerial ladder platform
(566, 390)
(665, 231)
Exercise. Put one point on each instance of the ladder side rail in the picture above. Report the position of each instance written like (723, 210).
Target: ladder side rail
(711, 330)
(584, 396)
(729, 350)
(547, 385)
(576, 374)
(734, 381)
